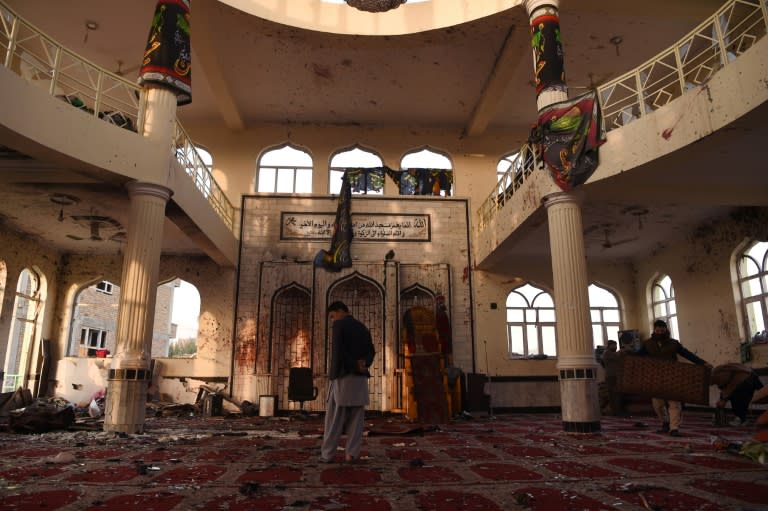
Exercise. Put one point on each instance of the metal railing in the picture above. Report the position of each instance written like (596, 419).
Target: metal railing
(523, 164)
(729, 32)
(28, 52)
(40, 60)
(200, 173)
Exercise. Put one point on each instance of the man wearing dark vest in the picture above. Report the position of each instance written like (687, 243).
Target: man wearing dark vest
(352, 354)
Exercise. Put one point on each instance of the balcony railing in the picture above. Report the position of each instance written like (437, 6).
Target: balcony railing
(523, 164)
(690, 62)
(27, 51)
(200, 173)
(42, 61)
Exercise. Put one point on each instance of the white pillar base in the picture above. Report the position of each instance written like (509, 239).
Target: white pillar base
(127, 401)
(579, 398)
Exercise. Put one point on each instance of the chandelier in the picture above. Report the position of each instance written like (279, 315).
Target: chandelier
(375, 5)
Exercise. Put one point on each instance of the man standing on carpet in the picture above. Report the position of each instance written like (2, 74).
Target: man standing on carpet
(661, 346)
(352, 354)
(611, 360)
(737, 384)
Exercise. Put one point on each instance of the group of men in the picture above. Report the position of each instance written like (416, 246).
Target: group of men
(352, 353)
(737, 382)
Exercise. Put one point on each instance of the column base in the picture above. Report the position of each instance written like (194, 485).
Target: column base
(126, 401)
(581, 427)
(579, 400)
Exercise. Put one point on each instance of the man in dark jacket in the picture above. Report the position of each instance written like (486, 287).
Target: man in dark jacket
(661, 346)
(352, 354)
(611, 361)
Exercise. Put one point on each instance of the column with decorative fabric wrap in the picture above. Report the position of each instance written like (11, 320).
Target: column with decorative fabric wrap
(166, 77)
(576, 362)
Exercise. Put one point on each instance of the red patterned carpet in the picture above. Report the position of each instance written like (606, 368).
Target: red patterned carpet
(507, 462)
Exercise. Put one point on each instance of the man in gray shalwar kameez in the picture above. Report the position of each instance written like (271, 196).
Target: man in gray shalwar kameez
(352, 354)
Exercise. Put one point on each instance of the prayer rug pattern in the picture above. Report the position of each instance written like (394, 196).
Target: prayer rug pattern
(507, 462)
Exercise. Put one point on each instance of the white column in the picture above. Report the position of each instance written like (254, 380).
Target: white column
(129, 375)
(159, 121)
(576, 362)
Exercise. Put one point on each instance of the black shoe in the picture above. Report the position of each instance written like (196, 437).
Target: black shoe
(674, 432)
(664, 428)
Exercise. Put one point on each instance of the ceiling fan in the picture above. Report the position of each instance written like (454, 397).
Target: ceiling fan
(121, 72)
(594, 83)
(95, 224)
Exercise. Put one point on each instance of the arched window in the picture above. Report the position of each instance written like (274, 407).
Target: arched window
(531, 323)
(207, 179)
(198, 164)
(94, 320)
(511, 162)
(24, 329)
(206, 156)
(284, 170)
(512, 169)
(179, 338)
(433, 183)
(357, 158)
(663, 303)
(605, 315)
(425, 159)
(752, 273)
(505, 164)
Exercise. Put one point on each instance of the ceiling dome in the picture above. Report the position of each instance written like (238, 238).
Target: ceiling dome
(338, 17)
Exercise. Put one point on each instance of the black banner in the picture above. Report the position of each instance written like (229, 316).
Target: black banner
(548, 53)
(339, 256)
(168, 57)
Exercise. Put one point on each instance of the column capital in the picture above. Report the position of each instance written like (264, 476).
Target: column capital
(576, 361)
(531, 6)
(572, 197)
(153, 189)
